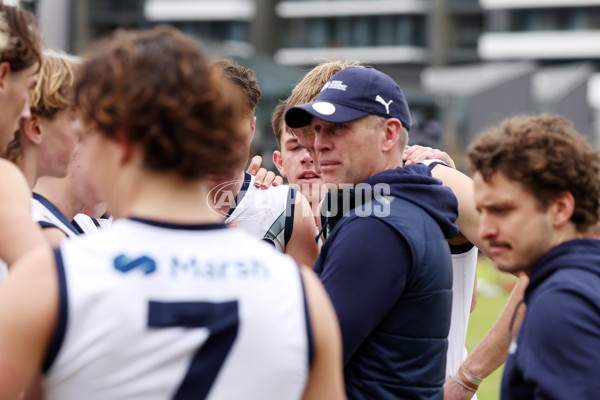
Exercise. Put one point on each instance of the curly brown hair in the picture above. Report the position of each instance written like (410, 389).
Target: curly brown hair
(546, 156)
(157, 89)
(23, 47)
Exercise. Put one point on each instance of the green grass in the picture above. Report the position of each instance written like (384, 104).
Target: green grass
(493, 291)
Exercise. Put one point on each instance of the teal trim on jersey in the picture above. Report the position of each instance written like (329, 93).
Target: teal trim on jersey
(276, 227)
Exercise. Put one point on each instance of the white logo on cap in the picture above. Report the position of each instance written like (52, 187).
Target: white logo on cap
(379, 99)
(337, 85)
(324, 108)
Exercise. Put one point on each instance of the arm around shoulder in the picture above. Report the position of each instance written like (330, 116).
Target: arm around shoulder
(325, 380)
(462, 187)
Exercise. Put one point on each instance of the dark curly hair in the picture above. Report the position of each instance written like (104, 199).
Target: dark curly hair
(547, 156)
(157, 89)
(23, 48)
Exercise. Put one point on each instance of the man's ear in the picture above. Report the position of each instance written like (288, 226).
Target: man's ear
(4, 72)
(126, 147)
(392, 129)
(562, 207)
(32, 130)
(278, 161)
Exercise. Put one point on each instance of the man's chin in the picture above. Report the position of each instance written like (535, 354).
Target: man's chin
(509, 267)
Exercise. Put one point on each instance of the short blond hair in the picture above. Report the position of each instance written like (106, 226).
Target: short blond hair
(52, 93)
(309, 87)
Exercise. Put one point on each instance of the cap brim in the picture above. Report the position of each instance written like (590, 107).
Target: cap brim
(299, 116)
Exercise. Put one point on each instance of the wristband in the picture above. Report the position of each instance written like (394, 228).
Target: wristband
(464, 381)
(470, 377)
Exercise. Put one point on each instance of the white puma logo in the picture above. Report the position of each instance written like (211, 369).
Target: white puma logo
(379, 99)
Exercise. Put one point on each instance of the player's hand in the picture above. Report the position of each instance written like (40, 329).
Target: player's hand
(263, 178)
(415, 154)
(453, 391)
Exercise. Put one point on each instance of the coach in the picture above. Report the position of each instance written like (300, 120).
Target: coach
(386, 263)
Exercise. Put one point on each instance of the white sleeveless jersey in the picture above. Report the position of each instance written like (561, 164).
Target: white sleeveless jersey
(265, 213)
(86, 224)
(47, 215)
(159, 311)
(463, 277)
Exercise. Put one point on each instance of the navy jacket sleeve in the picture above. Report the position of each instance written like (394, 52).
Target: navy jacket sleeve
(563, 346)
(365, 273)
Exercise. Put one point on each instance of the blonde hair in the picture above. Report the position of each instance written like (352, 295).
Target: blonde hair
(52, 93)
(54, 88)
(310, 86)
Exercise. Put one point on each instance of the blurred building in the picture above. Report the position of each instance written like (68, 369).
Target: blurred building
(411, 40)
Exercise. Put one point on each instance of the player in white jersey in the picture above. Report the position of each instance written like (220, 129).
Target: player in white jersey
(84, 224)
(50, 217)
(62, 199)
(264, 213)
(277, 215)
(45, 144)
(92, 218)
(168, 303)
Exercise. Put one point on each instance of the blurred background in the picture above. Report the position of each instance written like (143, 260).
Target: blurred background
(463, 64)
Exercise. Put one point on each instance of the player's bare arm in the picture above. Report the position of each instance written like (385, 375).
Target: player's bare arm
(302, 246)
(416, 154)
(54, 236)
(28, 313)
(18, 232)
(490, 353)
(326, 380)
(462, 186)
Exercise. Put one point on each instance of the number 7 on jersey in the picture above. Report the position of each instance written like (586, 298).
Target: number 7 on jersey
(222, 321)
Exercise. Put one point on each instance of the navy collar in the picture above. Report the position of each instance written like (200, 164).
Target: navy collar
(185, 227)
(576, 253)
(55, 211)
(241, 194)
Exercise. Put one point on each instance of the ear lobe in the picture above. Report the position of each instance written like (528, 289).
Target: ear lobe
(563, 206)
(392, 129)
(4, 71)
(32, 130)
(126, 147)
(278, 161)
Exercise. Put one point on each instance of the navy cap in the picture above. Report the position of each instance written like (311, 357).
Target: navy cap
(350, 94)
